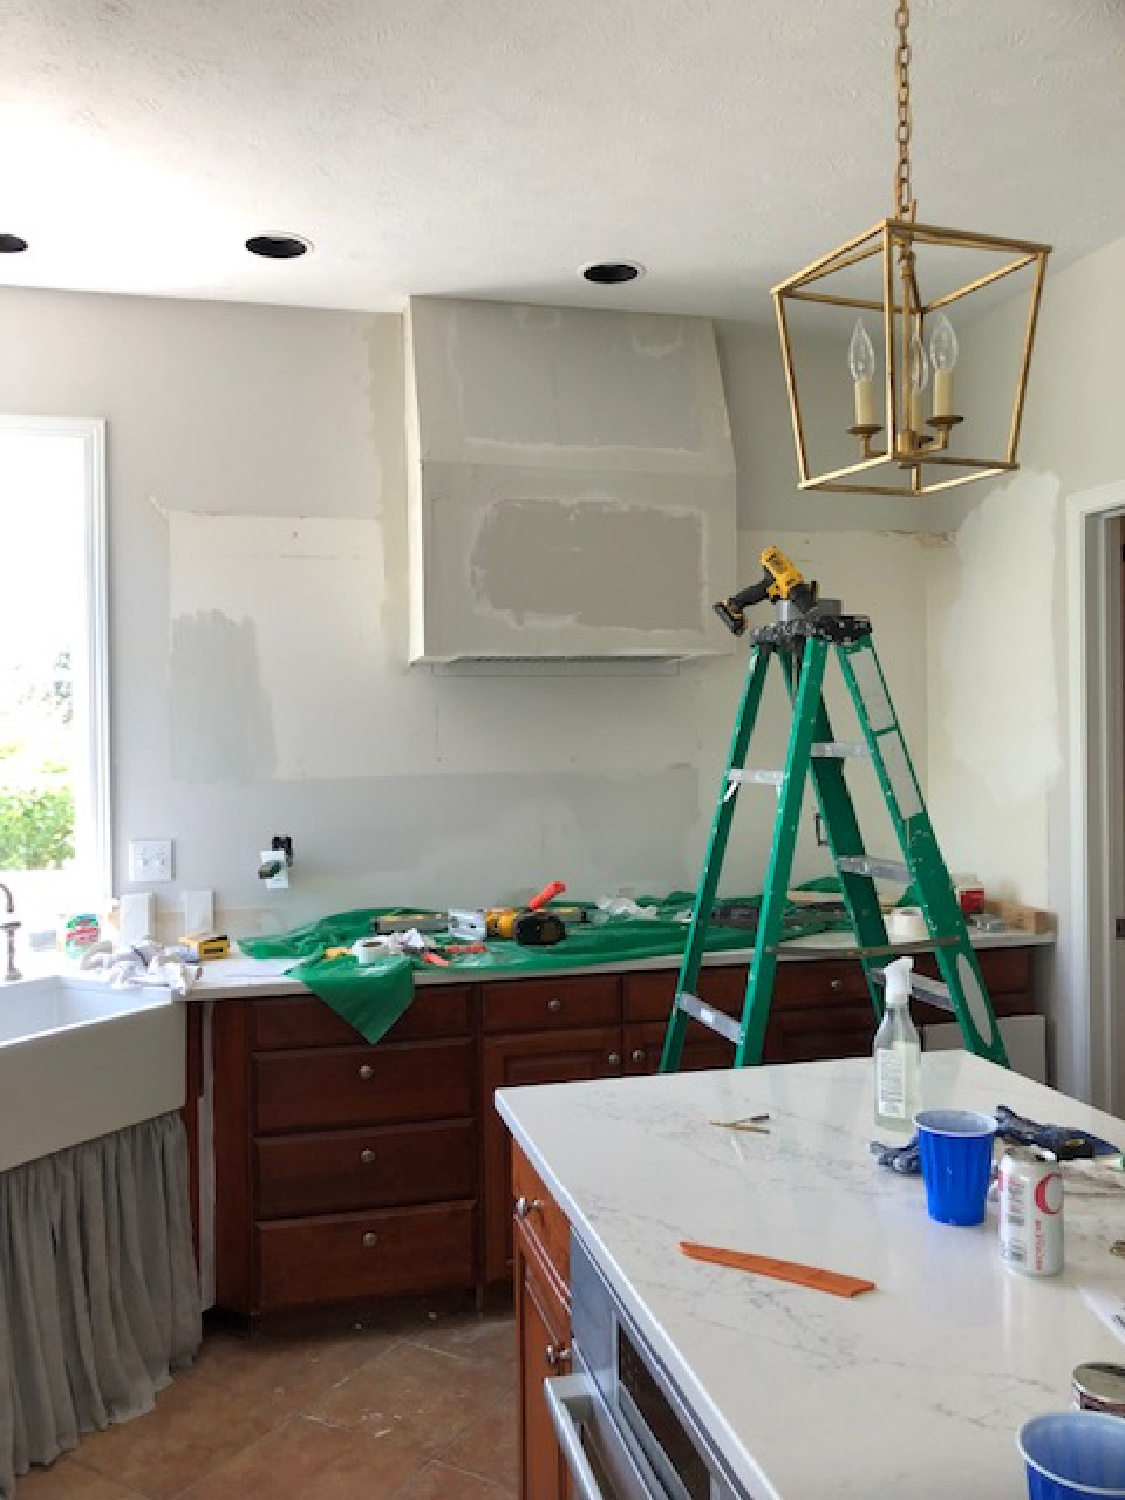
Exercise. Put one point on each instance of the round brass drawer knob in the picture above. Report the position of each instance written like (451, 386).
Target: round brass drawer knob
(638, 1054)
(554, 1005)
(370, 1241)
(835, 984)
(525, 1207)
(614, 1059)
(366, 1071)
(367, 1156)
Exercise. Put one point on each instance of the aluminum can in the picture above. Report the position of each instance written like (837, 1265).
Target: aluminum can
(1099, 1387)
(1031, 1211)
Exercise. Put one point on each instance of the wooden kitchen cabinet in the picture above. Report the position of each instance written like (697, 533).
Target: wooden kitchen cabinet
(543, 1327)
(344, 1172)
(537, 1031)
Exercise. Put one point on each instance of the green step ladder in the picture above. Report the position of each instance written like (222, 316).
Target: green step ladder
(801, 645)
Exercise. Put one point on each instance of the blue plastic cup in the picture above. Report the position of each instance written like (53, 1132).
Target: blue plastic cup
(956, 1150)
(1074, 1455)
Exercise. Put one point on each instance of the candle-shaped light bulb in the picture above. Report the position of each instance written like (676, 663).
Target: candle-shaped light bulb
(861, 362)
(943, 353)
(919, 379)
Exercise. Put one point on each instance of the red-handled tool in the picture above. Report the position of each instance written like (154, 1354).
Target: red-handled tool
(548, 893)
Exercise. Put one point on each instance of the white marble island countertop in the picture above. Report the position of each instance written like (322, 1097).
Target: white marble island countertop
(915, 1390)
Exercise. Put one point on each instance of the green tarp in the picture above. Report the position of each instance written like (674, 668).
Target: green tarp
(371, 997)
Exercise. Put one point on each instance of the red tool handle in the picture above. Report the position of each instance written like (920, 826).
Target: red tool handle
(548, 893)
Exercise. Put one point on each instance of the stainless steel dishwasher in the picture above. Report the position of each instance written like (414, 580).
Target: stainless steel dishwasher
(624, 1428)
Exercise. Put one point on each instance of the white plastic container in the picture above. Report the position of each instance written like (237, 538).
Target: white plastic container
(897, 1055)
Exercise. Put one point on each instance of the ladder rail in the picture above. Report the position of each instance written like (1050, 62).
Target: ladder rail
(716, 849)
(807, 706)
(957, 964)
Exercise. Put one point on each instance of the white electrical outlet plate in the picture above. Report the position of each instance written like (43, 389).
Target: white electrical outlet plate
(150, 861)
(280, 881)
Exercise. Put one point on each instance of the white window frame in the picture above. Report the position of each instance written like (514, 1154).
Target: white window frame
(92, 793)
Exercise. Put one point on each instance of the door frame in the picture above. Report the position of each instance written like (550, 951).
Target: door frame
(1088, 960)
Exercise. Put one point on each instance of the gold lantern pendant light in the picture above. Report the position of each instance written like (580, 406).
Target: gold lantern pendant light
(919, 453)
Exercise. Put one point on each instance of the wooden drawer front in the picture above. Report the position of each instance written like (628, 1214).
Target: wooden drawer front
(807, 1034)
(542, 1222)
(337, 1086)
(818, 982)
(350, 1256)
(440, 1011)
(648, 996)
(1006, 971)
(343, 1170)
(540, 1004)
(702, 1048)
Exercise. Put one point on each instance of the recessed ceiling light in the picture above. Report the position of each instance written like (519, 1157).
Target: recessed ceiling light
(278, 246)
(11, 244)
(612, 272)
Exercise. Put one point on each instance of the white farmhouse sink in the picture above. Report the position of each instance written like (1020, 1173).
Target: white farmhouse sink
(79, 1059)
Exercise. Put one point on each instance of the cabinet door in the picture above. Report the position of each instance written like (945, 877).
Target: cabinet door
(543, 1325)
(536, 1057)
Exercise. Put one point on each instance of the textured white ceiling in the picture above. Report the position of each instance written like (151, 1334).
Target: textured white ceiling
(492, 147)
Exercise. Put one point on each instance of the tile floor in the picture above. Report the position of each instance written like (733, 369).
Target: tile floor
(414, 1406)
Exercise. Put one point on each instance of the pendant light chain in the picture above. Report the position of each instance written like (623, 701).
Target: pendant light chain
(904, 194)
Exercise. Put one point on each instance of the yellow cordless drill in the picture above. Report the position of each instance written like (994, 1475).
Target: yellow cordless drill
(780, 581)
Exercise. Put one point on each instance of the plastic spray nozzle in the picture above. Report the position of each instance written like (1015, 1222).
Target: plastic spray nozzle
(898, 979)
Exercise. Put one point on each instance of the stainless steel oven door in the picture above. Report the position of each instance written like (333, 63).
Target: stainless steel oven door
(599, 1462)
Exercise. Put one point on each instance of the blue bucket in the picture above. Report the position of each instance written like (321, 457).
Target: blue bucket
(1074, 1455)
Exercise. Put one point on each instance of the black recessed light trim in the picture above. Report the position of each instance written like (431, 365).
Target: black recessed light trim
(612, 272)
(12, 244)
(278, 246)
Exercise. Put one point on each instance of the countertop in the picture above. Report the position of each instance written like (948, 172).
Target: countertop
(239, 977)
(916, 1389)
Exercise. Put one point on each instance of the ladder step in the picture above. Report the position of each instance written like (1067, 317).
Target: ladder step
(922, 988)
(882, 950)
(880, 869)
(708, 1016)
(763, 778)
(840, 750)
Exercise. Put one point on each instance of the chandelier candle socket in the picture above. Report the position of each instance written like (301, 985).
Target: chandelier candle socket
(905, 275)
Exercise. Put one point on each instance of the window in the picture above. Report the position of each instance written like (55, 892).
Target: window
(54, 699)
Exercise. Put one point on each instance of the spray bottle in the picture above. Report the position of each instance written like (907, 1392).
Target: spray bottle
(898, 1055)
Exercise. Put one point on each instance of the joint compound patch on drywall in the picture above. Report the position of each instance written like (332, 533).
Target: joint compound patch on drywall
(601, 563)
(276, 627)
(995, 647)
(222, 723)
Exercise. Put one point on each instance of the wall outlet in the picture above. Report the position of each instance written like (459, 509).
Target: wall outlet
(273, 860)
(150, 861)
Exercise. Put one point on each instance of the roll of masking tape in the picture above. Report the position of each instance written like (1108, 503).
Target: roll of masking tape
(367, 950)
(906, 924)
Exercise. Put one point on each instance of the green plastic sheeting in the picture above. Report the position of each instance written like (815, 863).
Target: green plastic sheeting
(372, 997)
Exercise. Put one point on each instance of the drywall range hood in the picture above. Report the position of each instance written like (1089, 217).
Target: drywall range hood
(571, 484)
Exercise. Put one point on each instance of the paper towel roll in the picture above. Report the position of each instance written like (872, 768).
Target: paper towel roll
(906, 924)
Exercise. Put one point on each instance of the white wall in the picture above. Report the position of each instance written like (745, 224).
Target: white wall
(259, 616)
(1000, 658)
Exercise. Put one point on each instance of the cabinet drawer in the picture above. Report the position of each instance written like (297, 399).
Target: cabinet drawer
(339, 1171)
(349, 1256)
(809, 1034)
(440, 1011)
(540, 1004)
(644, 1046)
(648, 996)
(818, 982)
(541, 1222)
(337, 1086)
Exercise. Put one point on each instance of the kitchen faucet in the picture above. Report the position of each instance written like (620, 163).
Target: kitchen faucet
(9, 926)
